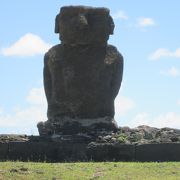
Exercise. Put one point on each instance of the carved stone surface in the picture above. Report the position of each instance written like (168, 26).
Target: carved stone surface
(83, 74)
(84, 25)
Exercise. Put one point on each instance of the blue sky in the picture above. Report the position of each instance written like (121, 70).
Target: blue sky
(146, 33)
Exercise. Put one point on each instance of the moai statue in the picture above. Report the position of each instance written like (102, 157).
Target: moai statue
(83, 74)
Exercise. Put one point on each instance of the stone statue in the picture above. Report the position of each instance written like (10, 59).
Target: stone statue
(83, 74)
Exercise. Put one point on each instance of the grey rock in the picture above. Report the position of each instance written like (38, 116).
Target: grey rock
(110, 152)
(3, 151)
(158, 152)
(131, 144)
(83, 74)
(35, 151)
(13, 137)
(84, 25)
(146, 134)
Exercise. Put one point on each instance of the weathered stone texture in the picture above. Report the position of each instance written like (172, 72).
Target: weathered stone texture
(158, 152)
(83, 74)
(34, 151)
(143, 143)
(84, 81)
(3, 151)
(110, 151)
(84, 25)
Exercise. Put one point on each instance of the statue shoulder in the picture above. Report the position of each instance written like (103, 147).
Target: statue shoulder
(113, 55)
(53, 52)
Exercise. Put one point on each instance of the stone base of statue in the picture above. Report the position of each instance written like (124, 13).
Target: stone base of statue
(69, 126)
(143, 143)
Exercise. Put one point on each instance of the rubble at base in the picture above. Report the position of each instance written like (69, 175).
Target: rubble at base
(124, 135)
(142, 135)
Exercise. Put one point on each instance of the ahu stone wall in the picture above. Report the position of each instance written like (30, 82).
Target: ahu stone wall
(67, 152)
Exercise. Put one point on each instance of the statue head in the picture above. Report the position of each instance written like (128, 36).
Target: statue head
(84, 25)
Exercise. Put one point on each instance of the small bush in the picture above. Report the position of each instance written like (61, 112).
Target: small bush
(122, 138)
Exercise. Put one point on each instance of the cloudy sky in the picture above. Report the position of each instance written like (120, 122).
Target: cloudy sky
(146, 33)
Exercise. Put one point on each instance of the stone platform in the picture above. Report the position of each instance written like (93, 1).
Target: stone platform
(139, 144)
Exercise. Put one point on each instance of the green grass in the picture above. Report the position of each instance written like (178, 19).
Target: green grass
(78, 171)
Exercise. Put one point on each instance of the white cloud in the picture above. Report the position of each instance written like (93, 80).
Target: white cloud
(144, 22)
(140, 119)
(177, 53)
(178, 102)
(165, 53)
(27, 118)
(36, 96)
(171, 72)
(170, 119)
(162, 52)
(123, 105)
(120, 15)
(1, 110)
(28, 45)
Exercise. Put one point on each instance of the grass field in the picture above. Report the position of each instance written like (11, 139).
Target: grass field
(78, 171)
